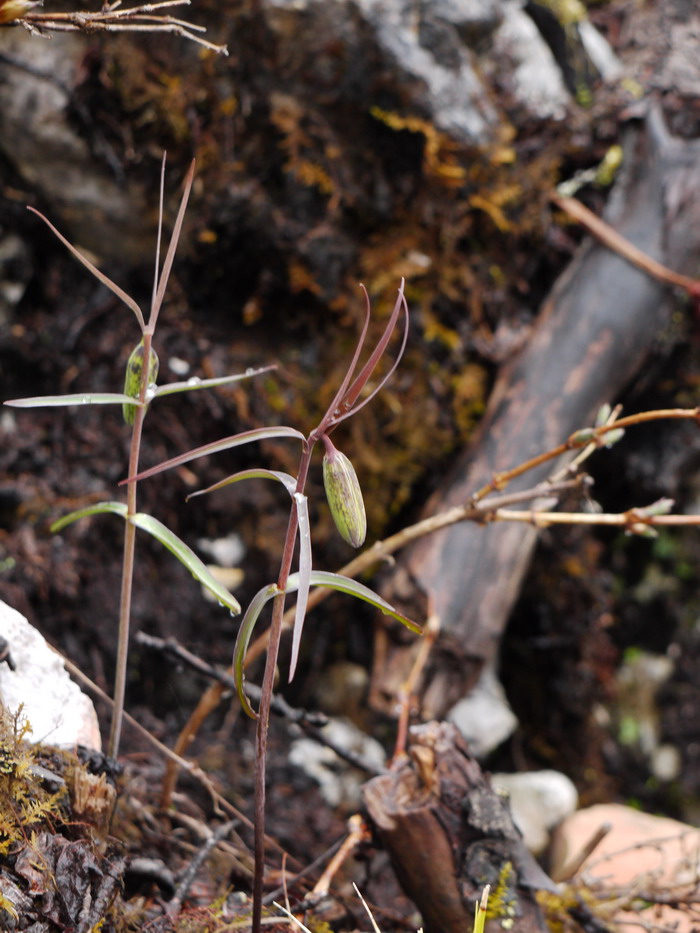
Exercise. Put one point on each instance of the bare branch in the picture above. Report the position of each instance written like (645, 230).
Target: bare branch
(147, 17)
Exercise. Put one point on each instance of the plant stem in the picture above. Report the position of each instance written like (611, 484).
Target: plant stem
(128, 560)
(267, 687)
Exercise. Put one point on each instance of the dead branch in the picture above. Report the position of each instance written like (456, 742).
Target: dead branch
(147, 17)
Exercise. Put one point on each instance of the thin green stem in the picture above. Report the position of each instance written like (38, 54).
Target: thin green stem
(266, 693)
(128, 560)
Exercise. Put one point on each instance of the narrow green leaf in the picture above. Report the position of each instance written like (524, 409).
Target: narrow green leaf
(288, 481)
(186, 555)
(236, 440)
(336, 581)
(245, 632)
(302, 506)
(79, 398)
(191, 385)
(117, 508)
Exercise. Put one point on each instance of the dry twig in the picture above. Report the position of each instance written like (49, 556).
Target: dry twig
(147, 17)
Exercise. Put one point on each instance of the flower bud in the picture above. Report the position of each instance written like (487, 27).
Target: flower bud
(132, 379)
(344, 496)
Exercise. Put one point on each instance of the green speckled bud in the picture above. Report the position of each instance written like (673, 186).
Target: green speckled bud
(132, 379)
(344, 496)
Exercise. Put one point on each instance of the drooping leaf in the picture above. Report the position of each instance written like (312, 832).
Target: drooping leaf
(304, 525)
(78, 398)
(245, 632)
(236, 440)
(112, 286)
(302, 506)
(187, 556)
(334, 581)
(168, 538)
(191, 385)
(99, 508)
(288, 481)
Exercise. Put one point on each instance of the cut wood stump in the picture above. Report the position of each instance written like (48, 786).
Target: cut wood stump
(448, 833)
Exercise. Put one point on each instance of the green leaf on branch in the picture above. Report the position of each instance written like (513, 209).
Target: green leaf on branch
(191, 385)
(78, 398)
(289, 483)
(252, 614)
(100, 508)
(333, 581)
(236, 440)
(302, 506)
(168, 538)
(336, 581)
(187, 556)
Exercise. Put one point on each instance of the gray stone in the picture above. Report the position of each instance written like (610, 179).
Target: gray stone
(41, 142)
(339, 783)
(535, 79)
(539, 801)
(484, 717)
(394, 54)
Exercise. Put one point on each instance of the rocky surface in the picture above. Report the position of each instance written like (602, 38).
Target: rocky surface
(35, 684)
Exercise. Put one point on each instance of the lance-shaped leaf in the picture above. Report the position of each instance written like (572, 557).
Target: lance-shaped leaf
(289, 483)
(191, 385)
(252, 614)
(236, 440)
(187, 556)
(304, 527)
(333, 581)
(100, 508)
(78, 398)
(304, 575)
(336, 581)
(169, 539)
(116, 398)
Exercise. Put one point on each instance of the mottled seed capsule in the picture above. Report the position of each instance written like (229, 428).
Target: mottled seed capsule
(132, 379)
(344, 496)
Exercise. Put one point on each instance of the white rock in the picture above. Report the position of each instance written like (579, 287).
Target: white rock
(539, 801)
(227, 552)
(484, 717)
(57, 710)
(338, 781)
(536, 78)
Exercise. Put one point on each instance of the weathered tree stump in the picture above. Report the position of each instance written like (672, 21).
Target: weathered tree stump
(448, 833)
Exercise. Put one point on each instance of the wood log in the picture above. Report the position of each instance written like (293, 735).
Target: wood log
(593, 336)
(448, 833)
